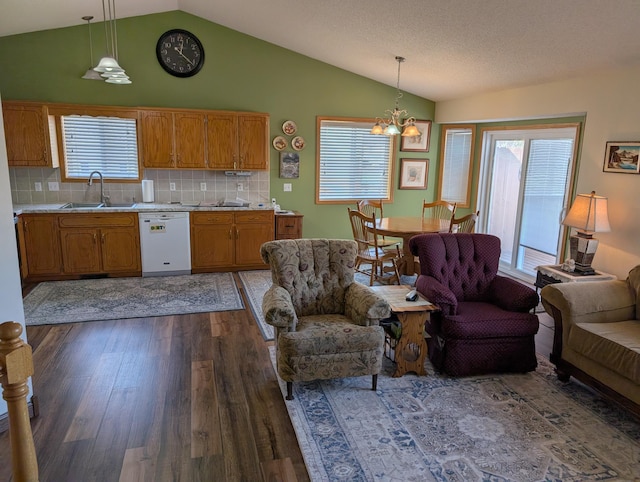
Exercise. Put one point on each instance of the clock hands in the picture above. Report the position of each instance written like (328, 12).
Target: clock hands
(179, 50)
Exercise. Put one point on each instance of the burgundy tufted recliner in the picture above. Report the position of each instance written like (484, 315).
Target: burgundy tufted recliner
(485, 324)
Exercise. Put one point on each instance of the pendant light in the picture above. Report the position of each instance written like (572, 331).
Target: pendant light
(108, 65)
(90, 74)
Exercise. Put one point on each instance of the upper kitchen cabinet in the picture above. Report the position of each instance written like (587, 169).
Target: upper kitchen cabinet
(238, 141)
(172, 139)
(30, 135)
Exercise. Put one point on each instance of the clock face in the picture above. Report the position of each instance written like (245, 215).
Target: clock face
(180, 53)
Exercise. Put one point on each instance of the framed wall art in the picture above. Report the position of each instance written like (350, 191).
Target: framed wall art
(621, 157)
(418, 143)
(413, 173)
(289, 165)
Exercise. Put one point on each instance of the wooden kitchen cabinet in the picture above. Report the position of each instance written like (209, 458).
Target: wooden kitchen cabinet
(97, 243)
(238, 141)
(39, 246)
(289, 226)
(30, 138)
(173, 139)
(229, 240)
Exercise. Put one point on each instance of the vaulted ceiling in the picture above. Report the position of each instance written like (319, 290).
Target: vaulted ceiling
(453, 48)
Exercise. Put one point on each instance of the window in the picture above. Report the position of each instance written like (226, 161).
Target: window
(105, 143)
(455, 173)
(352, 163)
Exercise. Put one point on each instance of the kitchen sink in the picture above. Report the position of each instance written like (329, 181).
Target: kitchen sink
(81, 205)
(118, 205)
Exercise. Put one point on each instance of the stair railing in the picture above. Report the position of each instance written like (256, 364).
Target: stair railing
(16, 366)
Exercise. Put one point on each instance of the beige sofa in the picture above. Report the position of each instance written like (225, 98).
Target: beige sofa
(597, 335)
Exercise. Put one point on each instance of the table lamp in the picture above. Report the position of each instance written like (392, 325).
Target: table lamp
(588, 215)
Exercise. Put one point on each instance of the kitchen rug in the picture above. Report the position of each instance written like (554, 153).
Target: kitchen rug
(512, 427)
(72, 301)
(256, 284)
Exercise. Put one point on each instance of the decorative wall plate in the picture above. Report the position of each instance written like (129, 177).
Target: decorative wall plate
(289, 128)
(279, 143)
(297, 143)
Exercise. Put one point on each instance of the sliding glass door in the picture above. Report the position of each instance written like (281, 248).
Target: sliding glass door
(525, 186)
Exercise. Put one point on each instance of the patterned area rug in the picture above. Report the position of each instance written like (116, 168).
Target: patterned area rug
(256, 284)
(519, 427)
(114, 298)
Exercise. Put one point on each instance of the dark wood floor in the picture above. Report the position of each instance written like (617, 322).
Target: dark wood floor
(174, 398)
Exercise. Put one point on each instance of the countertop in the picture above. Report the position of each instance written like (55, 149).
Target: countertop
(54, 208)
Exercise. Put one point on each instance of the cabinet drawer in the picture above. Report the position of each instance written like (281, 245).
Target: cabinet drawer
(212, 217)
(254, 217)
(287, 226)
(97, 220)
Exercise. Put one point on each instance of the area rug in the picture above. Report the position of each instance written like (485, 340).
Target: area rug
(256, 284)
(115, 298)
(516, 427)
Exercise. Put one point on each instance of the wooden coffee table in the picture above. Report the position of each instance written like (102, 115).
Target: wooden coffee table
(411, 350)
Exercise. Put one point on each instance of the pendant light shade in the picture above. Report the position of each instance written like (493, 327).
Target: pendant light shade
(108, 65)
(90, 74)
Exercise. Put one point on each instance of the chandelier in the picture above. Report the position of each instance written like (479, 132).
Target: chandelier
(392, 124)
(108, 66)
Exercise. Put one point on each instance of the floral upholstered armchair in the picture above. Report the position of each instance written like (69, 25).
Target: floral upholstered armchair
(326, 324)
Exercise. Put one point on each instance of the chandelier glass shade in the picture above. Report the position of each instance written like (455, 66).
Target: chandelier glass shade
(392, 123)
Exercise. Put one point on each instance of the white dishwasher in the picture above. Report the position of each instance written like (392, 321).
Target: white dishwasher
(165, 245)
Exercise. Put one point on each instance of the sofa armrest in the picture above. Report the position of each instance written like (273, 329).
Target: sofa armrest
(437, 294)
(277, 308)
(364, 306)
(511, 295)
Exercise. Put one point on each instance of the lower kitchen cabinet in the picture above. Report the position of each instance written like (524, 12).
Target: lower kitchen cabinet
(99, 243)
(229, 240)
(39, 245)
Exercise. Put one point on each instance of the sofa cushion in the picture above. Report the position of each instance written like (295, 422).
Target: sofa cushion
(634, 284)
(613, 345)
(476, 319)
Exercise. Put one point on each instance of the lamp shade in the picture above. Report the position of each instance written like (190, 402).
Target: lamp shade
(588, 214)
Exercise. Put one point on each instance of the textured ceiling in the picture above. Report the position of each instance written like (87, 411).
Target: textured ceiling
(453, 48)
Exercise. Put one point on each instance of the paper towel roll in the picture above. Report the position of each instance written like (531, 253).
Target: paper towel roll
(147, 191)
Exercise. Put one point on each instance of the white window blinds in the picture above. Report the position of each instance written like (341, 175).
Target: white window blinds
(352, 163)
(456, 165)
(105, 144)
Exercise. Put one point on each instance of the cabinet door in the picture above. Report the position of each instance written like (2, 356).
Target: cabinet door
(41, 244)
(80, 250)
(120, 249)
(211, 246)
(156, 143)
(189, 134)
(249, 238)
(27, 135)
(222, 141)
(253, 143)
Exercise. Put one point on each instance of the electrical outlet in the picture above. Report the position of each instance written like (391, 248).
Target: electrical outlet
(240, 187)
(172, 186)
(287, 187)
(38, 186)
(54, 186)
(203, 186)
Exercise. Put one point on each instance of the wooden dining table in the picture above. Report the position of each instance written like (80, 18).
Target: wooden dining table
(406, 227)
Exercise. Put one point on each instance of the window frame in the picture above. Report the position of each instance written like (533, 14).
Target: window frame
(443, 167)
(58, 111)
(391, 165)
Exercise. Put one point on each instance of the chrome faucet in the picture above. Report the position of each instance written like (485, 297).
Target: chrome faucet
(103, 198)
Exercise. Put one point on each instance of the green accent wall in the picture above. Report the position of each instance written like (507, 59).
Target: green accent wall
(240, 73)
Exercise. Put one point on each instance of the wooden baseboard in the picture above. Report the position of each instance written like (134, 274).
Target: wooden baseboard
(34, 411)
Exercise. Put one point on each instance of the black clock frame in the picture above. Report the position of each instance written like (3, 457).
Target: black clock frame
(168, 69)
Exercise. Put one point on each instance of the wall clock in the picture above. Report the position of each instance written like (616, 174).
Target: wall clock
(180, 53)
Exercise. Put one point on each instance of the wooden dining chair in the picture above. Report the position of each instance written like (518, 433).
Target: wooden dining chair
(374, 207)
(382, 264)
(438, 209)
(465, 224)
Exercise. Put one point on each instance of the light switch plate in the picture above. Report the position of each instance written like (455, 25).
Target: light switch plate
(54, 186)
(287, 187)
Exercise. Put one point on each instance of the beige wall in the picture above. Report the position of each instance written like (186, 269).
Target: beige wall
(611, 103)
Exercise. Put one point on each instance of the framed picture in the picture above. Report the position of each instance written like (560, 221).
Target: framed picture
(289, 165)
(622, 157)
(418, 143)
(413, 173)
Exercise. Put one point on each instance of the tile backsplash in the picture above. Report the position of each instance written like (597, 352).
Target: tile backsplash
(188, 184)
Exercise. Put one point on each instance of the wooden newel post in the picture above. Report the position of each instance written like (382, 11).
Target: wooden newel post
(16, 366)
